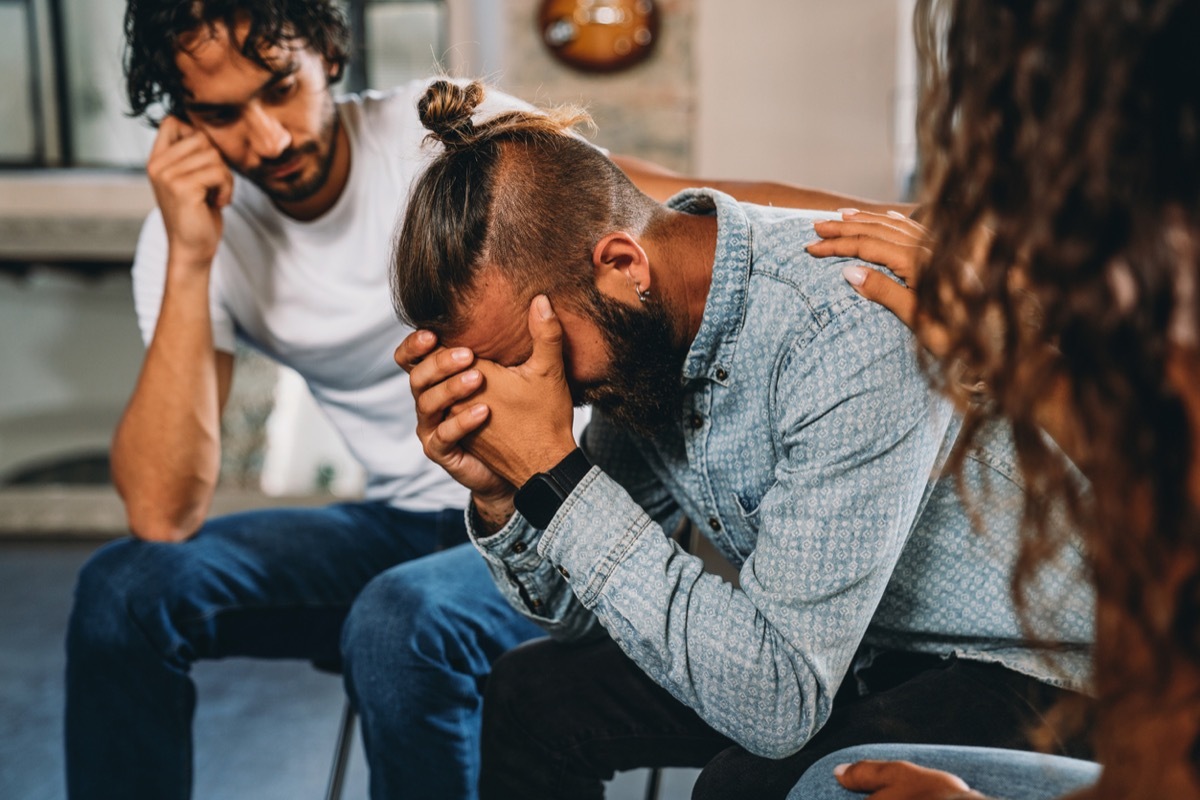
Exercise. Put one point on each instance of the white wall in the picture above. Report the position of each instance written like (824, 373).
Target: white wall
(70, 355)
(801, 91)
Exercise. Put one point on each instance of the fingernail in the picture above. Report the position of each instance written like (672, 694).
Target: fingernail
(543, 306)
(811, 242)
(855, 276)
(462, 355)
(894, 214)
(840, 770)
(847, 212)
(425, 337)
(478, 410)
(470, 376)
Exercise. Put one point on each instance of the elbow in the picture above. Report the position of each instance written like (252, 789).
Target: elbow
(776, 747)
(155, 526)
(158, 513)
(157, 519)
(160, 531)
(781, 735)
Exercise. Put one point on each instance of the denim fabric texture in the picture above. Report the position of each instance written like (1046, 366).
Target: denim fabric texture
(808, 452)
(358, 584)
(991, 771)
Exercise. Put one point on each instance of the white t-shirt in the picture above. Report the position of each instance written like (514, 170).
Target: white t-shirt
(315, 295)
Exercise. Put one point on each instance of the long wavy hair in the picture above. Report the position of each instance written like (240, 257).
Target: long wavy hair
(153, 29)
(1061, 144)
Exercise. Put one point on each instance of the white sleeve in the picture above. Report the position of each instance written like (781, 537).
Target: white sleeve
(149, 282)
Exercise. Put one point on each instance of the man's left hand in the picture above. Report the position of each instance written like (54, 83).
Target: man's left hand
(902, 780)
(529, 425)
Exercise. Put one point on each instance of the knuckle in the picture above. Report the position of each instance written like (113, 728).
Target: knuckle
(425, 404)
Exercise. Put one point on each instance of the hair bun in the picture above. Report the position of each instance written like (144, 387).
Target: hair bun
(446, 110)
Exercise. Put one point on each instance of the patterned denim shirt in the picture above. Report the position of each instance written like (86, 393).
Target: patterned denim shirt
(807, 453)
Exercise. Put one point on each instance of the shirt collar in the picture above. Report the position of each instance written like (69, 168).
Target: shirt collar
(712, 351)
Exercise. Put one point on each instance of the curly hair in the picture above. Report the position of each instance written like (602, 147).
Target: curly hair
(153, 29)
(1062, 145)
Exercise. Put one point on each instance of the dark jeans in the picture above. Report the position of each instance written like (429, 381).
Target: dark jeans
(560, 719)
(415, 631)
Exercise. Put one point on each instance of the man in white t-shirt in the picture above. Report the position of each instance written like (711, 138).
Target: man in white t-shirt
(276, 208)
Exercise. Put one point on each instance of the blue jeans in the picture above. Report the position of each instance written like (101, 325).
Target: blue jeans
(358, 584)
(992, 771)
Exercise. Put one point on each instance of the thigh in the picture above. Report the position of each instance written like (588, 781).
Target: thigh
(565, 715)
(960, 703)
(991, 771)
(442, 608)
(268, 583)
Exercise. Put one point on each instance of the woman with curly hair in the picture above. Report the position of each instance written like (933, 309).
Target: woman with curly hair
(1058, 291)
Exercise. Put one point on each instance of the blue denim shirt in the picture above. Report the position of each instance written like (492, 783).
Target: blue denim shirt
(808, 453)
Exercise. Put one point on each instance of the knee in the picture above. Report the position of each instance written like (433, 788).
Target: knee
(518, 678)
(113, 587)
(401, 616)
(726, 774)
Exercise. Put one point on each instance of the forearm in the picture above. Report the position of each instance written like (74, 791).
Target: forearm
(166, 449)
(661, 184)
(668, 615)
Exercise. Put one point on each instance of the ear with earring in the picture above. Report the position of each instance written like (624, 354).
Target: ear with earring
(642, 294)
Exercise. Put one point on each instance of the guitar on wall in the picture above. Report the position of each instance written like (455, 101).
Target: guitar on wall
(599, 35)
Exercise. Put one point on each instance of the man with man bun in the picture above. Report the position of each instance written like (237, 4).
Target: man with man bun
(735, 381)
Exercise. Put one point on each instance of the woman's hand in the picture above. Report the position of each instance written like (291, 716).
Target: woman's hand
(891, 240)
(902, 780)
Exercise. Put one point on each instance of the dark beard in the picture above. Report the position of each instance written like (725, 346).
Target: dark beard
(301, 190)
(644, 392)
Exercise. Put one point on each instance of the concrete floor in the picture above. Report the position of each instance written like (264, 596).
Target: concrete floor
(264, 730)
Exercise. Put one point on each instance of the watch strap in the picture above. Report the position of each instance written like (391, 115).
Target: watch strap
(570, 471)
(541, 496)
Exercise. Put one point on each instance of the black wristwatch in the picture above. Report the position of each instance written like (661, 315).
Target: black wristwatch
(543, 494)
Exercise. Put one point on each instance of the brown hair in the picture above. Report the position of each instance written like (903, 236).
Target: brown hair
(519, 192)
(1071, 130)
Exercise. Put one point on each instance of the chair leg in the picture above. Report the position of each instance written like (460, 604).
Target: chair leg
(341, 754)
(652, 783)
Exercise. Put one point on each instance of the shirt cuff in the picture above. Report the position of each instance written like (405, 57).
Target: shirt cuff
(514, 545)
(592, 532)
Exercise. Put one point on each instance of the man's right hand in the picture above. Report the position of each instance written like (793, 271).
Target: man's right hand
(191, 184)
(442, 381)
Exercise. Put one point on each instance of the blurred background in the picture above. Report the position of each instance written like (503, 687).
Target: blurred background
(814, 92)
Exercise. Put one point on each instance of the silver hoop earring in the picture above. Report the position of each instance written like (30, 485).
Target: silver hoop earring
(642, 294)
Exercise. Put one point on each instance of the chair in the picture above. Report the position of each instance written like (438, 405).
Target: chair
(345, 738)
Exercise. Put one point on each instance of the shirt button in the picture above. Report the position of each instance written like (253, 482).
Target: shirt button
(520, 547)
(714, 523)
(695, 422)
(722, 374)
(563, 571)
(536, 604)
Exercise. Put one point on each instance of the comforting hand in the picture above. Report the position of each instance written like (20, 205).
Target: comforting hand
(528, 406)
(891, 240)
(442, 380)
(902, 780)
(191, 185)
